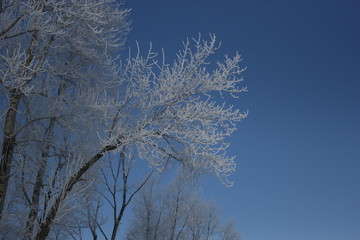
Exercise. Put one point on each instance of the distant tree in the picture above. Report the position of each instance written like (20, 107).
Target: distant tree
(229, 231)
(177, 213)
(68, 99)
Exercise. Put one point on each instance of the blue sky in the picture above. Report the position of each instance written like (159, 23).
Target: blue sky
(298, 152)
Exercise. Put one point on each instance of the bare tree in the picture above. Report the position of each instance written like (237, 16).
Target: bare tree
(118, 192)
(68, 100)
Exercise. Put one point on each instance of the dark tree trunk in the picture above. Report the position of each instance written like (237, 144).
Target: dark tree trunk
(45, 226)
(34, 208)
(8, 148)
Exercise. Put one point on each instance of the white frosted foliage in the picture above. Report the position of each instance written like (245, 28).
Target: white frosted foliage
(177, 110)
(70, 97)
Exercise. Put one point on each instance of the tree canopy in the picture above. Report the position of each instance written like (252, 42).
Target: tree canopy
(70, 96)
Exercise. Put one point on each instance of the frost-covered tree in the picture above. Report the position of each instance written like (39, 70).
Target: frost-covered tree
(56, 59)
(177, 212)
(68, 99)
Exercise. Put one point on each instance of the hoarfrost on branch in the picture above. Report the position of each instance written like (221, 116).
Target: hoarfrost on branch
(68, 98)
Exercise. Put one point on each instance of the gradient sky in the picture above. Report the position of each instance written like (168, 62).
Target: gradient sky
(298, 152)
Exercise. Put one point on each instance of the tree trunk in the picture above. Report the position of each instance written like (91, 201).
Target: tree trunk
(9, 137)
(34, 208)
(45, 226)
(117, 222)
(8, 148)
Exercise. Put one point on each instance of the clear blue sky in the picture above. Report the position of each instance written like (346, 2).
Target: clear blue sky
(298, 152)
